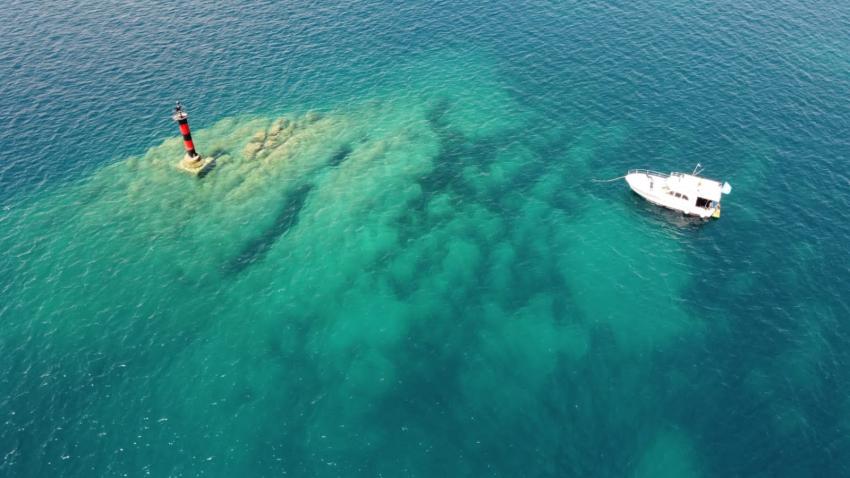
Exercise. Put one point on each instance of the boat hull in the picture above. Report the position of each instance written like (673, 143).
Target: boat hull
(653, 188)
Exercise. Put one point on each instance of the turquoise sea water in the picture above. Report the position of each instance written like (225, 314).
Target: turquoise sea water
(401, 265)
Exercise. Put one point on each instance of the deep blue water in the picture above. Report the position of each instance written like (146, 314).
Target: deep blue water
(425, 281)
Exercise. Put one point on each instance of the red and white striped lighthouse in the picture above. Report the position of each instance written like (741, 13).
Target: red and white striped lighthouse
(182, 118)
(192, 162)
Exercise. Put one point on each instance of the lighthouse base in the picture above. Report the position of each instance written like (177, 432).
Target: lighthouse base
(197, 165)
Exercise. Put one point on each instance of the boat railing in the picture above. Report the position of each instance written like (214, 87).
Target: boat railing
(649, 172)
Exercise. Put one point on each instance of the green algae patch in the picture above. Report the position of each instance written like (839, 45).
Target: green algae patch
(607, 257)
(669, 454)
(345, 284)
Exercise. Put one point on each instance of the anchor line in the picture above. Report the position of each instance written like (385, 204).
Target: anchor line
(607, 180)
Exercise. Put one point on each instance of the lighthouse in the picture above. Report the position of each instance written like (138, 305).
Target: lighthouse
(192, 162)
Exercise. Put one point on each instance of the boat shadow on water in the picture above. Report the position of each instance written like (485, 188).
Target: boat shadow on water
(663, 215)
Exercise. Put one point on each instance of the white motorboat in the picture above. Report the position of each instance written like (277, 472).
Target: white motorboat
(688, 193)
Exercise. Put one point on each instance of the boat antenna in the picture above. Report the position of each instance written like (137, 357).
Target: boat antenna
(697, 169)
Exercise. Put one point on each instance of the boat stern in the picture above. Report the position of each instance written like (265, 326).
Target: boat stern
(716, 213)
